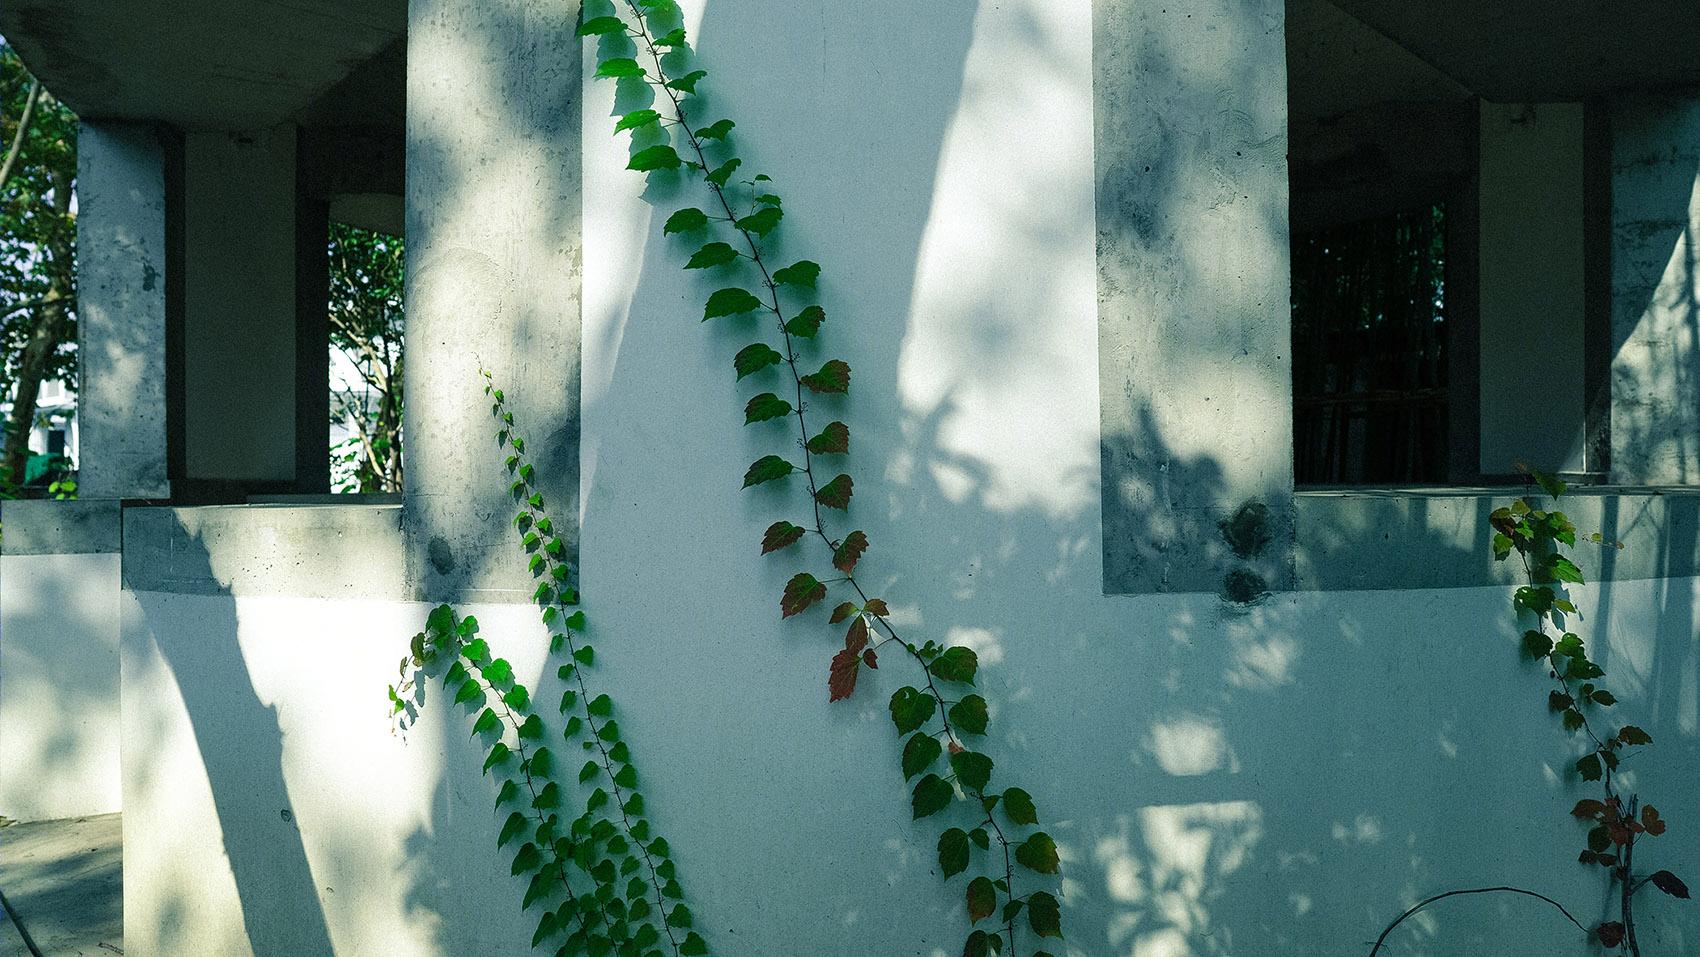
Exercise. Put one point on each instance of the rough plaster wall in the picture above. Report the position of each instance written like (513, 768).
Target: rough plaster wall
(1655, 372)
(239, 304)
(1531, 282)
(493, 265)
(1193, 288)
(121, 311)
(58, 685)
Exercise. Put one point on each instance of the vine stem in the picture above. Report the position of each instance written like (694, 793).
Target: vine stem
(1478, 890)
(773, 306)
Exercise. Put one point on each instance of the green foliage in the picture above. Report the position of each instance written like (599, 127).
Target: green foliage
(367, 320)
(1538, 536)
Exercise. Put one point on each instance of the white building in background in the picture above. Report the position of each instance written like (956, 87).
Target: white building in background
(55, 431)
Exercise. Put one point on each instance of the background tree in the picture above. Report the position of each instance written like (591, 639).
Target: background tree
(366, 320)
(38, 235)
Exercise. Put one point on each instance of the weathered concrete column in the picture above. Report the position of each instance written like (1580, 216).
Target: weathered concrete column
(121, 311)
(493, 281)
(1195, 373)
(1655, 368)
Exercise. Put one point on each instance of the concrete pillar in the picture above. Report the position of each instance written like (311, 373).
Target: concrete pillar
(121, 311)
(1655, 366)
(493, 280)
(1193, 295)
(1532, 293)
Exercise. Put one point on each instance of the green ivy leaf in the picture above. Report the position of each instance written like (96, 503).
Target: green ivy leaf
(981, 839)
(769, 199)
(716, 130)
(781, 535)
(919, 752)
(498, 672)
(932, 795)
(487, 721)
(1604, 698)
(548, 798)
(541, 760)
(693, 945)
(585, 655)
(1044, 915)
(1536, 644)
(539, 889)
(766, 469)
(680, 917)
(762, 221)
(833, 440)
(685, 221)
(507, 793)
(688, 82)
(626, 777)
(806, 323)
(1573, 720)
(755, 357)
(515, 826)
(801, 591)
(956, 664)
(764, 407)
(729, 302)
(982, 899)
(1563, 569)
(659, 156)
(711, 255)
(910, 709)
(527, 859)
(974, 771)
(600, 25)
(833, 378)
(517, 698)
(467, 692)
(590, 770)
(618, 67)
(673, 38)
(1589, 767)
(803, 273)
(1019, 806)
(723, 172)
(849, 552)
(1038, 853)
(545, 928)
(969, 715)
(531, 727)
(637, 118)
(978, 945)
(836, 493)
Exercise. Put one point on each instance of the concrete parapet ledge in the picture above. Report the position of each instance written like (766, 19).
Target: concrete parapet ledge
(54, 527)
(315, 551)
(1364, 539)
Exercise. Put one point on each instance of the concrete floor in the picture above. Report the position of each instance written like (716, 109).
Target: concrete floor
(65, 881)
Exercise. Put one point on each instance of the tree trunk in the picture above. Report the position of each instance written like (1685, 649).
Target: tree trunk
(45, 335)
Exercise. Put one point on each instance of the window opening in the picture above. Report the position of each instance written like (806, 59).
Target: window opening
(1370, 352)
(367, 319)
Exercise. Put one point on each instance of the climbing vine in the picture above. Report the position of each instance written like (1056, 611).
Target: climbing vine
(1616, 821)
(642, 41)
(605, 880)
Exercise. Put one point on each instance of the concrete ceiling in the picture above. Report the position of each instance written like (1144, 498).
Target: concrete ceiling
(232, 65)
(1544, 50)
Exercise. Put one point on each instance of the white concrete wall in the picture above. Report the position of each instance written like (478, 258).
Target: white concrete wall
(1531, 287)
(58, 685)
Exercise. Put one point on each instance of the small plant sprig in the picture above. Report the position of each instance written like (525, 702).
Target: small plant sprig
(936, 717)
(1618, 821)
(636, 906)
(1536, 535)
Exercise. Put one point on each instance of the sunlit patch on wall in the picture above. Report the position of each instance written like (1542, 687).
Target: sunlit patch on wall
(1190, 745)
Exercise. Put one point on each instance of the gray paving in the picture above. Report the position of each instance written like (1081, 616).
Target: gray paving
(65, 881)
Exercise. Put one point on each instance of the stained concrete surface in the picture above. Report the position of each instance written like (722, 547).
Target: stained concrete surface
(64, 879)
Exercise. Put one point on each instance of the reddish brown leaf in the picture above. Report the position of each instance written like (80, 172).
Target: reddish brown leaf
(1651, 821)
(833, 377)
(956, 748)
(779, 535)
(870, 659)
(1588, 809)
(844, 557)
(836, 493)
(832, 440)
(801, 591)
(857, 638)
(1610, 933)
(841, 613)
(842, 681)
(876, 606)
